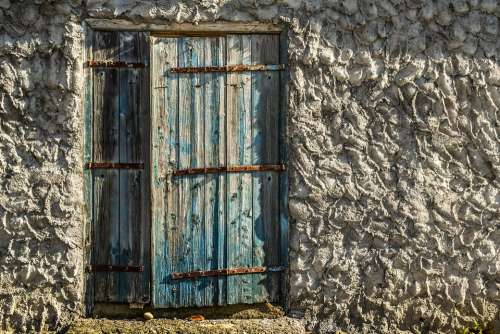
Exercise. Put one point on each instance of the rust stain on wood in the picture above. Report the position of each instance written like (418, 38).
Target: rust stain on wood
(113, 165)
(112, 268)
(226, 272)
(112, 64)
(229, 169)
(228, 68)
(173, 34)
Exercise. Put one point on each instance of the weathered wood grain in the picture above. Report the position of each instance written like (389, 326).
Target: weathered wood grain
(190, 226)
(173, 220)
(239, 186)
(133, 145)
(283, 155)
(106, 118)
(130, 181)
(144, 247)
(214, 142)
(120, 134)
(164, 137)
(265, 195)
(192, 53)
(105, 46)
(182, 29)
(225, 220)
(106, 217)
(105, 148)
(87, 156)
(184, 232)
(106, 91)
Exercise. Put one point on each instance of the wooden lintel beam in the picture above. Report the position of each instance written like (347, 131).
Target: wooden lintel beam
(186, 29)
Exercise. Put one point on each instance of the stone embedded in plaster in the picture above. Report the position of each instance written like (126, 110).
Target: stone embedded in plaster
(5, 4)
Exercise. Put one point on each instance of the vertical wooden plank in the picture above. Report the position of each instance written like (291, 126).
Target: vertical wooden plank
(197, 50)
(131, 235)
(130, 150)
(158, 169)
(214, 139)
(144, 247)
(265, 130)
(239, 185)
(283, 154)
(106, 127)
(129, 50)
(171, 101)
(183, 233)
(133, 145)
(105, 46)
(87, 174)
(106, 218)
(164, 139)
(105, 149)
(191, 155)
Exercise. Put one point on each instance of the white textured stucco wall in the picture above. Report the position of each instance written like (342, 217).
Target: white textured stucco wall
(394, 166)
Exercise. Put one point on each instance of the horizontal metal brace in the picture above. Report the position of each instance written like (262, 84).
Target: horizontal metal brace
(228, 68)
(107, 268)
(113, 165)
(113, 64)
(226, 272)
(230, 169)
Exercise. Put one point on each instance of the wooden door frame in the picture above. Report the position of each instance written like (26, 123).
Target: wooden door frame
(182, 29)
(187, 28)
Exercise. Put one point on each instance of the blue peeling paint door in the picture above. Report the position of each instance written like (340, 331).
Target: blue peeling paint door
(219, 215)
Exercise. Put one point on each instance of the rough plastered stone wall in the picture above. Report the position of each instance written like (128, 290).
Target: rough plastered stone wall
(394, 157)
(40, 164)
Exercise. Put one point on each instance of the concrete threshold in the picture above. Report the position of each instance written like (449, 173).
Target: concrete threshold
(281, 325)
(238, 311)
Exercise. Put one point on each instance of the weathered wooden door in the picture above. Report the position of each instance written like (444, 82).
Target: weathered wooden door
(117, 157)
(218, 187)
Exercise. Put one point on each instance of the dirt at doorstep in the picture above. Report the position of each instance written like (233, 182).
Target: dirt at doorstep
(282, 325)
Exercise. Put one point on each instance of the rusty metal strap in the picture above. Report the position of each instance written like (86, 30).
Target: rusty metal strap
(230, 169)
(226, 272)
(228, 68)
(112, 64)
(108, 268)
(113, 165)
